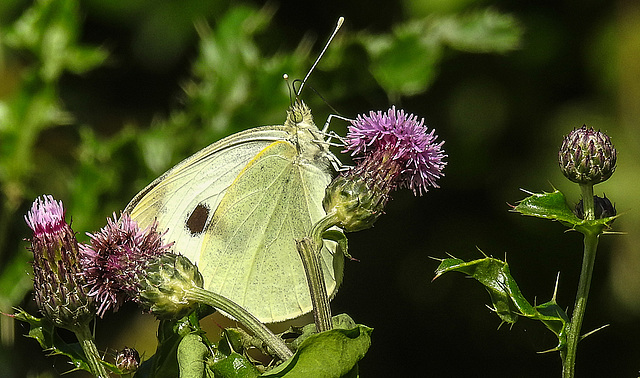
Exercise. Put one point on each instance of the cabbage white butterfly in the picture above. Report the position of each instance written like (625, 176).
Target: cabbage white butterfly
(236, 207)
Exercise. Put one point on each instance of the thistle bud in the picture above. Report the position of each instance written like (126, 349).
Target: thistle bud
(602, 206)
(355, 204)
(128, 360)
(59, 289)
(587, 156)
(164, 289)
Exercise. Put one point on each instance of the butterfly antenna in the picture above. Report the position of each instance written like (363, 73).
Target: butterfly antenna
(289, 86)
(324, 100)
(295, 82)
(335, 31)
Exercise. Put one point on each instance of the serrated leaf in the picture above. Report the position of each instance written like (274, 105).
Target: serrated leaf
(494, 274)
(556, 320)
(330, 354)
(44, 332)
(554, 206)
(508, 302)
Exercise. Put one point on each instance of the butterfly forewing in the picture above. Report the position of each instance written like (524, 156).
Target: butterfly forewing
(198, 182)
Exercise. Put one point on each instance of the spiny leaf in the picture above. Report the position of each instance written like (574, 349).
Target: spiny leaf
(45, 333)
(554, 206)
(508, 302)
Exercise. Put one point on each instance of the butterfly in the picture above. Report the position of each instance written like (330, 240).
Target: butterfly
(237, 207)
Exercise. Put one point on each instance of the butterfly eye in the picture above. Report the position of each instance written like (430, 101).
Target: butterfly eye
(297, 115)
(197, 220)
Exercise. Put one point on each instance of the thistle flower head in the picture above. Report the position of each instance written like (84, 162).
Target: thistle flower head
(587, 156)
(404, 139)
(123, 262)
(398, 151)
(59, 290)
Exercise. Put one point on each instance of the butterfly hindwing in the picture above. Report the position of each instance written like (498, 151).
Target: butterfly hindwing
(250, 242)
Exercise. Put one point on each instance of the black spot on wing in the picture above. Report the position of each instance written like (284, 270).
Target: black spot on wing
(197, 221)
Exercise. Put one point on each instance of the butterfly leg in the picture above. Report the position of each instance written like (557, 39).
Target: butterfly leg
(326, 124)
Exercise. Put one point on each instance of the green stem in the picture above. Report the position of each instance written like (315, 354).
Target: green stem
(590, 246)
(321, 226)
(243, 316)
(587, 201)
(309, 250)
(85, 338)
(317, 286)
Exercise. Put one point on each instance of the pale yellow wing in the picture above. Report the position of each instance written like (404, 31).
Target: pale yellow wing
(193, 188)
(250, 242)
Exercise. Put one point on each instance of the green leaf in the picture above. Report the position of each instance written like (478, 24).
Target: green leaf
(494, 274)
(405, 63)
(554, 206)
(50, 30)
(228, 361)
(340, 321)
(481, 31)
(234, 365)
(191, 356)
(333, 353)
(45, 333)
(508, 302)
(164, 363)
(556, 320)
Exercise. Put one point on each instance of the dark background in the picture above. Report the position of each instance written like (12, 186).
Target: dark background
(502, 117)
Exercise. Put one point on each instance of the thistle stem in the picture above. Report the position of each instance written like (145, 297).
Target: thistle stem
(317, 286)
(588, 205)
(243, 316)
(309, 250)
(85, 338)
(568, 355)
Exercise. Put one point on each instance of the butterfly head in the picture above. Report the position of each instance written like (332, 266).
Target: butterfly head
(298, 113)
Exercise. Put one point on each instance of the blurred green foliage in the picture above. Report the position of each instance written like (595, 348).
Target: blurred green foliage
(97, 98)
(229, 76)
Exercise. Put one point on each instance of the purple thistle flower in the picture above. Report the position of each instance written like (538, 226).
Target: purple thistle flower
(404, 139)
(125, 263)
(59, 290)
(398, 152)
(46, 216)
(116, 260)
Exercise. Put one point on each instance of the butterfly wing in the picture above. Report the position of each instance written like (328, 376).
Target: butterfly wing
(236, 208)
(251, 241)
(184, 198)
